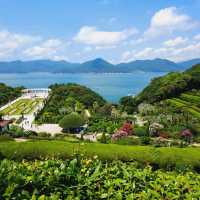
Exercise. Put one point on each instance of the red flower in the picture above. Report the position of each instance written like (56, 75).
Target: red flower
(186, 133)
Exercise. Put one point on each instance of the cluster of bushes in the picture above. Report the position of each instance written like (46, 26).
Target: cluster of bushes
(18, 132)
(71, 123)
(101, 124)
(92, 179)
(173, 120)
(165, 157)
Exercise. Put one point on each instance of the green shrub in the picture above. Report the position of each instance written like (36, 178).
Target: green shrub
(30, 133)
(128, 141)
(71, 121)
(91, 179)
(160, 143)
(140, 131)
(19, 120)
(59, 136)
(165, 157)
(145, 140)
(44, 134)
(103, 138)
(196, 139)
(16, 131)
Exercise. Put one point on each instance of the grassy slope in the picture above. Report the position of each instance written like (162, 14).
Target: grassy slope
(189, 103)
(162, 157)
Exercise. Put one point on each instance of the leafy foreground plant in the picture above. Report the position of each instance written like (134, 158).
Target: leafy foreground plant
(92, 179)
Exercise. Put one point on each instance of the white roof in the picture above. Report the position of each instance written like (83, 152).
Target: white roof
(36, 89)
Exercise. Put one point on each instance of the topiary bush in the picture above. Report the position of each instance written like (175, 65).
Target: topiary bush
(71, 122)
(140, 131)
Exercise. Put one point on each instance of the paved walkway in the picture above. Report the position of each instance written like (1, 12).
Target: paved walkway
(90, 137)
(52, 129)
(139, 120)
(20, 140)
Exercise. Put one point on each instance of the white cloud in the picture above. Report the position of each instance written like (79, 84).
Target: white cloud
(168, 20)
(47, 49)
(59, 57)
(11, 42)
(87, 49)
(126, 56)
(105, 47)
(178, 41)
(91, 36)
(197, 37)
(176, 54)
(144, 53)
(189, 52)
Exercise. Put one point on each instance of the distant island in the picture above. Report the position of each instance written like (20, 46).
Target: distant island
(95, 66)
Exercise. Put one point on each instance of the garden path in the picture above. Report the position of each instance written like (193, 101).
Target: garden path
(139, 120)
(90, 137)
(52, 129)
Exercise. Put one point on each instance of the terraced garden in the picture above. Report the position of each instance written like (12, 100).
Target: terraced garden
(189, 102)
(25, 106)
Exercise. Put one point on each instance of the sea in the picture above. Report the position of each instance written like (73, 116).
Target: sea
(112, 86)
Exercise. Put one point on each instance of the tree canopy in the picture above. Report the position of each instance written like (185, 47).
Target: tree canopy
(71, 121)
(8, 93)
(67, 98)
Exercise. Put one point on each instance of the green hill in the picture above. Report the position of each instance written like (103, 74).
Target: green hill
(8, 93)
(171, 85)
(67, 98)
(161, 88)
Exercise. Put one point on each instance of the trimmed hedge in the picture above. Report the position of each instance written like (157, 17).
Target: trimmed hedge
(164, 157)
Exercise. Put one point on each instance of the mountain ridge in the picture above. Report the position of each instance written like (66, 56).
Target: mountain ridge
(97, 65)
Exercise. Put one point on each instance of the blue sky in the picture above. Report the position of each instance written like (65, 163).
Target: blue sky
(116, 30)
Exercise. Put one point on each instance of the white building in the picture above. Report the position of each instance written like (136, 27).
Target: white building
(36, 92)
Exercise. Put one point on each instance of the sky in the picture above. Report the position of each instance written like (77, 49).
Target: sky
(115, 30)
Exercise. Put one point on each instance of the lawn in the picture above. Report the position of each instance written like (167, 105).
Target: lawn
(25, 106)
(165, 157)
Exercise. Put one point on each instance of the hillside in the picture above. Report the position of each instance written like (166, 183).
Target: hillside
(156, 65)
(8, 93)
(188, 102)
(187, 64)
(67, 98)
(37, 66)
(170, 85)
(165, 87)
(94, 66)
(173, 101)
(98, 65)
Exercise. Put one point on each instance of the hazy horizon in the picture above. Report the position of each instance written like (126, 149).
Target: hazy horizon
(115, 30)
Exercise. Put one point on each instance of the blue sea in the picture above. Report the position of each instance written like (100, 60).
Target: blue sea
(112, 86)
